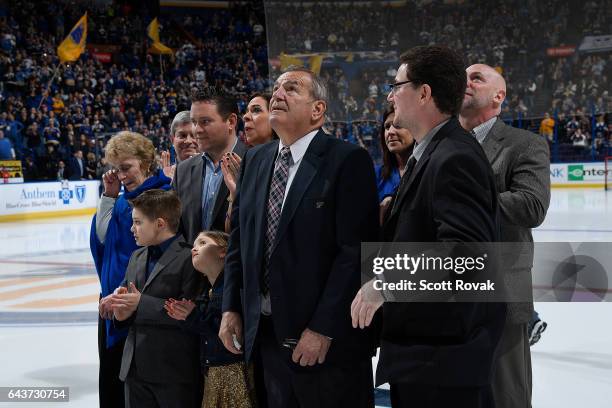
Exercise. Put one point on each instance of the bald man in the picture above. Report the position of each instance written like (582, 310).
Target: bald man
(521, 163)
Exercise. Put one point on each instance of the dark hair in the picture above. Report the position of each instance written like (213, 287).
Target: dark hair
(263, 95)
(267, 97)
(226, 104)
(443, 70)
(158, 203)
(389, 159)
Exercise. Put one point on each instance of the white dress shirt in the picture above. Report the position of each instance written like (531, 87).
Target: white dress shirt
(298, 149)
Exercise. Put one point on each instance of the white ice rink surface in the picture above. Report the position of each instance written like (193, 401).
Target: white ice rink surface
(48, 306)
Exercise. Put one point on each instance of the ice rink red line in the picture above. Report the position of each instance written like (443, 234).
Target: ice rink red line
(8, 261)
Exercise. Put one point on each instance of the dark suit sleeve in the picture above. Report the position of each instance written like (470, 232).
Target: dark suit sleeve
(528, 196)
(151, 310)
(356, 221)
(463, 203)
(233, 260)
(176, 187)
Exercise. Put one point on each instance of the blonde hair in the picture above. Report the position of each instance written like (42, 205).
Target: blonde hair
(132, 145)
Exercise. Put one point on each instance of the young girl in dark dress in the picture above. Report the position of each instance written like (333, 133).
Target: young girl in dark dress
(229, 382)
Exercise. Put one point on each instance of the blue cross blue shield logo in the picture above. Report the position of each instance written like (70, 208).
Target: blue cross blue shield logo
(80, 193)
(65, 194)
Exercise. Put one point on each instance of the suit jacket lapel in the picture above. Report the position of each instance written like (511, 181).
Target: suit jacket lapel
(167, 257)
(405, 187)
(195, 184)
(264, 177)
(306, 172)
(141, 270)
(223, 192)
(491, 145)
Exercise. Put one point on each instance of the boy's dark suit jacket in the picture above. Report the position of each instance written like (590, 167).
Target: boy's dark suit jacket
(158, 348)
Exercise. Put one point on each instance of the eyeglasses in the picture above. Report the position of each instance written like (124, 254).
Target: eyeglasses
(392, 87)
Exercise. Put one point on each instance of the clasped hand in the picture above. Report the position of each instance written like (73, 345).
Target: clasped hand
(121, 304)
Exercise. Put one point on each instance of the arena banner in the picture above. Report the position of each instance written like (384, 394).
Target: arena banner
(578, 174)
(564, 51)
(48, 199)
(596, 43)
(10, 171)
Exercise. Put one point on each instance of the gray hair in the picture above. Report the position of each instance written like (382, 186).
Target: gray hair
(181, 118)
(319, 87)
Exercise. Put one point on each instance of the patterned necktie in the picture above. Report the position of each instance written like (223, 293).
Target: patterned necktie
(275, 205)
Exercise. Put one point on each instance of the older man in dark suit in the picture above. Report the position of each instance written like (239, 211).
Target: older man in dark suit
(521, 163)
(437, 354)
(198, 181)
(304, 204)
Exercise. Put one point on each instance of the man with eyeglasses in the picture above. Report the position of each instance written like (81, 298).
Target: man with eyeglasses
(198, 181)
(436, 354)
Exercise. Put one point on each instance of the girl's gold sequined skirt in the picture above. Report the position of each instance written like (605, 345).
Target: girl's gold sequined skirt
(230, 386)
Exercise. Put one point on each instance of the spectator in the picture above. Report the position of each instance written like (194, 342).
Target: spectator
(6, 148)
(547, 127)
(30, 170)
(580, 140)
(90, 167)
(61, 171)
(77, 166)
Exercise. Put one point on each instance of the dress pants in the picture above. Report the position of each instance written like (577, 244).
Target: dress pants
(512, 377)
(431, 396)
(349, 385)
(142, 394)
(110, 387)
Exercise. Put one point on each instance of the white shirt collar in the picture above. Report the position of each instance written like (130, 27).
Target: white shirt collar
(299, 147)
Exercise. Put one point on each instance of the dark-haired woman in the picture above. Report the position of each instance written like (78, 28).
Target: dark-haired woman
(258, 131)
(396, 145)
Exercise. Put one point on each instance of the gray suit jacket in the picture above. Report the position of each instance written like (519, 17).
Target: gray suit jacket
(187, 183)
(521, 164)
(157, 349)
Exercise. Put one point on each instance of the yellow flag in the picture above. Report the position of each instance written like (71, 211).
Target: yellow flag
(315, 63)
(74, 44)
(287, 60)
(157, 47)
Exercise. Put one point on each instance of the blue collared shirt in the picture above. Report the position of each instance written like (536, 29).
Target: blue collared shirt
(213, 177)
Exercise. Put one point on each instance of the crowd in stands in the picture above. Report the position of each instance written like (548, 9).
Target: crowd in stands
(137, 91)
(47, 125)
(513, 35)
(332, 27)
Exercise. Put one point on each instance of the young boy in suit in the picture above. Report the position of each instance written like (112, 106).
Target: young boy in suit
(160, 360)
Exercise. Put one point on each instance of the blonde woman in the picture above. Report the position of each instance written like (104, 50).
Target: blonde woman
(134, 167)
